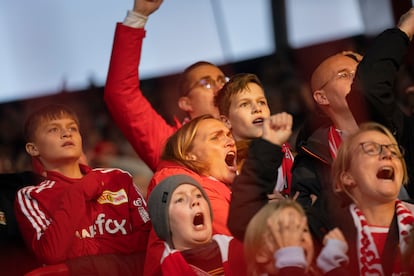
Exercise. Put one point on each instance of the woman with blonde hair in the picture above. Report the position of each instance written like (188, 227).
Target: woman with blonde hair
(203, 149)
(368, 173)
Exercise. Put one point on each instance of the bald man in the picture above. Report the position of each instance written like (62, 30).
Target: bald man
(331, 82)
(340, 107)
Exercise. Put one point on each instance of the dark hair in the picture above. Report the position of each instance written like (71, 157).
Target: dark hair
(46, 113)
(184, 82)
(235, 85)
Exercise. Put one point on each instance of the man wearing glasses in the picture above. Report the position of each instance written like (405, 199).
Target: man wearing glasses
(144, 128)
(341, 108)
(317, 145)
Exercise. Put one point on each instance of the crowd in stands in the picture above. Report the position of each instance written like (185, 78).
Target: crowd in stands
(240, 183)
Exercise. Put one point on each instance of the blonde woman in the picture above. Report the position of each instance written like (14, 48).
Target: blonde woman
(205, 150)
(368, 173)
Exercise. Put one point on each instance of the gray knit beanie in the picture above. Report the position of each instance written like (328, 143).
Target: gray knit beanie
(159, 201)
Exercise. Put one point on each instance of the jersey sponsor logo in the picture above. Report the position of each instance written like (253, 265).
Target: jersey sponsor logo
(102, 226)
(115, 198)
(138, 202)
(144, 214)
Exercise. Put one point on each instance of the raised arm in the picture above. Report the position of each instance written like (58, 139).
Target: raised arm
(146, 7)
(144, 128)
(376, 74)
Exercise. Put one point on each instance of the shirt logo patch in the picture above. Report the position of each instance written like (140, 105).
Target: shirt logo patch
(114, 198)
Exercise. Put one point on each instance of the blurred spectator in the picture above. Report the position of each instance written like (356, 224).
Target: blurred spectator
(107, 154)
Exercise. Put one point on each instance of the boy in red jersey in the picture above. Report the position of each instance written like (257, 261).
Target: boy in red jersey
(78, 211)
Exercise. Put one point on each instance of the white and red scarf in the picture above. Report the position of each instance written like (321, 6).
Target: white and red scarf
(284, 175)
(368, 257)
(334, 140)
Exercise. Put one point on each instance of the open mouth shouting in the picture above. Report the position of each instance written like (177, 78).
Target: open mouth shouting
(198, 221)
(386, 173)
(258, 121)
(231, 160)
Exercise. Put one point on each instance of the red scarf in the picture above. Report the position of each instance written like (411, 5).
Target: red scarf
(284, 176)
(335, 140)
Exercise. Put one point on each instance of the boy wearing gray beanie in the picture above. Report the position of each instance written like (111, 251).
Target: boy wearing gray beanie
(159, 202)
(181, 216)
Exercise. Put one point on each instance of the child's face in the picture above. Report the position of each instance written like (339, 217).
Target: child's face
(247, 111)
(56, 141)
(190, 220)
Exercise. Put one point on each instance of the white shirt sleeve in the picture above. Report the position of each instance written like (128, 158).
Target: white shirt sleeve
(333, 255)
(135, 20)
(290, 256)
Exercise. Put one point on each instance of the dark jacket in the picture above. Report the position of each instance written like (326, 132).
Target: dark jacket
(371, 99)
(375, 99)
(311, 172)
(251, 187)
(15, 257)
(10, 183)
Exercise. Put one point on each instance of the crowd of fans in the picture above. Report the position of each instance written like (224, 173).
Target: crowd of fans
(243, 176)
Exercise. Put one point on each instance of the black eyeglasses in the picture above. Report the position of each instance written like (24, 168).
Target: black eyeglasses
(373, 148)
(344, 75)
(209, 83)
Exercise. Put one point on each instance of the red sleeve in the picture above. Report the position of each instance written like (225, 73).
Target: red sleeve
(144, 128)
(236, 260)
(155, 249)
(49, 233)
(140, 220)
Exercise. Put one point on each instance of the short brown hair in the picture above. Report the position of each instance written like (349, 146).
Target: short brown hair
(184, 83)
(234, 86)
(46, 113)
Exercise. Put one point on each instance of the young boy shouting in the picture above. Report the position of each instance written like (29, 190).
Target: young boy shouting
(182, 217)
(243, 108)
